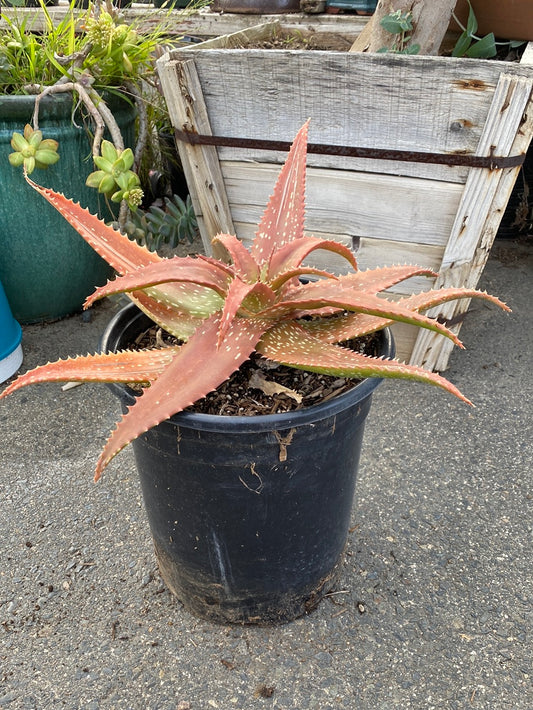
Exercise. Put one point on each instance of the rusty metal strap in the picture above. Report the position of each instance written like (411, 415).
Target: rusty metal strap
(492, 162)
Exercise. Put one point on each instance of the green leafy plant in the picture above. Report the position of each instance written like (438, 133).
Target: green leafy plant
(399, 24)
(223, 308)
(87, 55)
(468, 45)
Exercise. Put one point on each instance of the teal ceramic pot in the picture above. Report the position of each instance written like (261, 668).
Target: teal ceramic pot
(362, 6)
(46, 268)
(10, 340)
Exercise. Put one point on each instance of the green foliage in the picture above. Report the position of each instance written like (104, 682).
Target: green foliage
(170, 226)
(399, 24)
(85, 54)
(468, 45)
(110, 51)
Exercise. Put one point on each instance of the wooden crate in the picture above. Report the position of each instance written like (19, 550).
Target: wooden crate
(443, 216)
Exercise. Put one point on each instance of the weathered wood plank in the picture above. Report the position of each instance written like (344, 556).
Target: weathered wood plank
(203, 23)
(527, 57)
(200, 163)
(354, 204)
(508, 129)
(373, 101)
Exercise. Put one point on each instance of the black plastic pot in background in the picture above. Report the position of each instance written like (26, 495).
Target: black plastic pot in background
(172, 4)
(256, 7)
(249, 515)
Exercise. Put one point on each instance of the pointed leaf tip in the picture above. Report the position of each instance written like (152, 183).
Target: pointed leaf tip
(283, 219)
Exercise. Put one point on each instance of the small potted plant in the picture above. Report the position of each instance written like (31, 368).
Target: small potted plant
(249, 512)
(71, 85)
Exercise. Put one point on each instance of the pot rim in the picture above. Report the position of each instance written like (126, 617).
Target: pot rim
(129, 314)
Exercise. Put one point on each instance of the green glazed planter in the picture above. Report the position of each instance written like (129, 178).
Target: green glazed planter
(46, 268)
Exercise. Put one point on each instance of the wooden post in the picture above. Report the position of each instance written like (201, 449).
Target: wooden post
(184, 97)
(507, 131)
(430, 21)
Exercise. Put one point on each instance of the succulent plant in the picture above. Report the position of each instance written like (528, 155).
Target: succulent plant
(32, 151)
(174, 224)
(114, 176)
(225, 308)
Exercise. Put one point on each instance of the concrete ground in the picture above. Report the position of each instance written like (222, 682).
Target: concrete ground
(434, 607)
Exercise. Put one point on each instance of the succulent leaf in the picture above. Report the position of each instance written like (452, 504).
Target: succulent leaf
(355, 325)
(291, 345)
(108, 152)
(124, 256)
(323, 294)
(119, 251)
(283, 219)
(16, 159)
(102, 163)
(123, 366)
(44, 158)
(252, 297)
(291, 255)
(175, 270)
(18, 142)
(245, 265)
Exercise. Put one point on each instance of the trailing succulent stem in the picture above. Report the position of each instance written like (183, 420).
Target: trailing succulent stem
(243, 302)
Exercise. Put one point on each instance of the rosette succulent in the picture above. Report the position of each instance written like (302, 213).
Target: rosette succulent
(32, 151)
(114, 176)
(223, 308)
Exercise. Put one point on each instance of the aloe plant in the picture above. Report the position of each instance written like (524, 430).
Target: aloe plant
(225, 308)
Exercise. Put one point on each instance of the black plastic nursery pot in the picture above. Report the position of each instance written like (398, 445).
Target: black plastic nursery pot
(249, 515)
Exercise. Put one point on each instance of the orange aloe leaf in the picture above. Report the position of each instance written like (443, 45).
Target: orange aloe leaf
(119, 251)
(328, 294)
(291, 255)
(354, 325)
(122, 254)
(283, 219)
(178, 270)
(291, 345)
(163, 312)
(123, 366)
(252, 298)
(244, 263)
